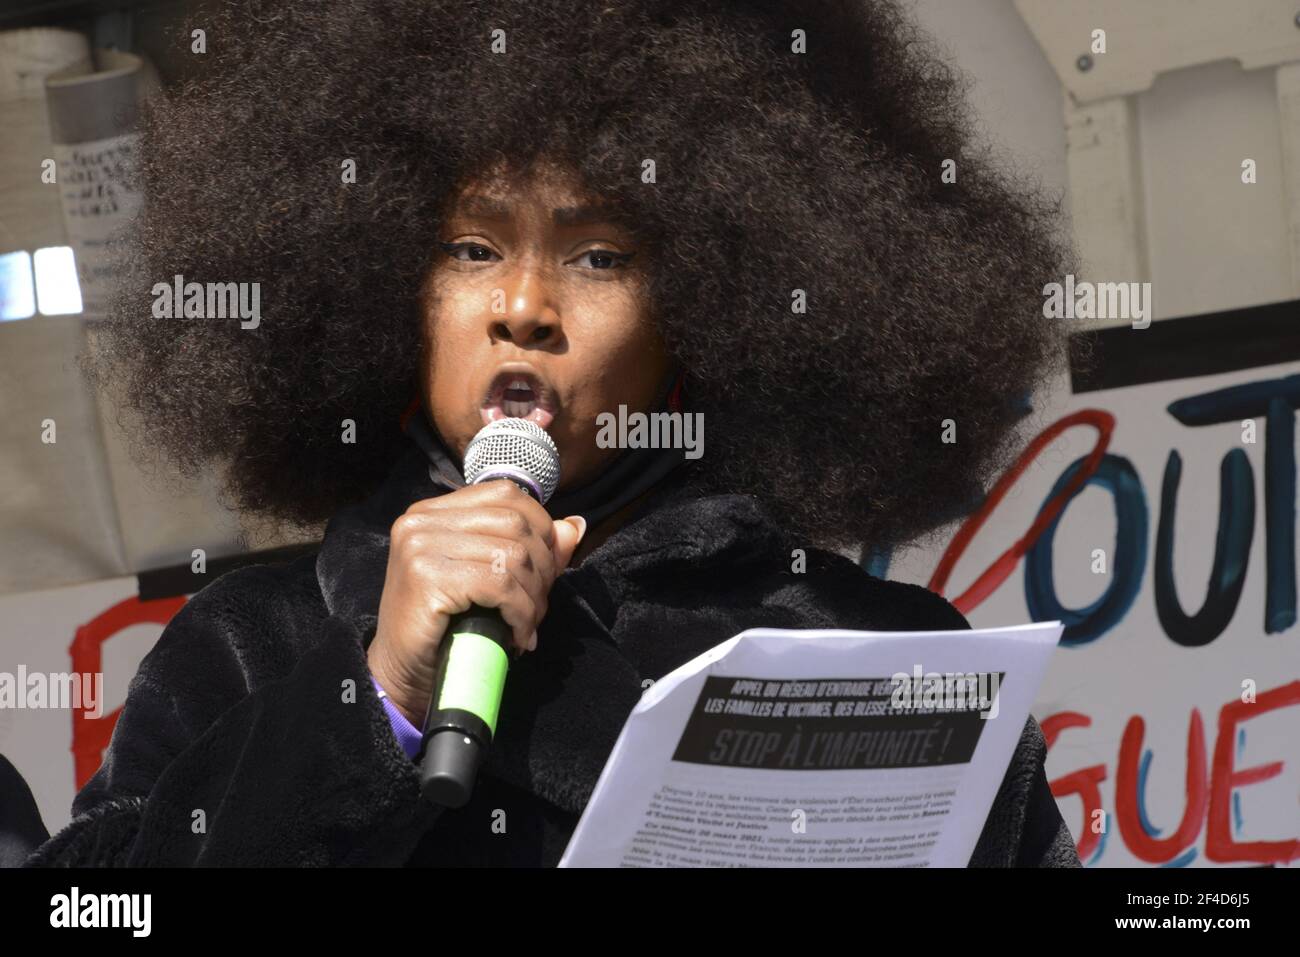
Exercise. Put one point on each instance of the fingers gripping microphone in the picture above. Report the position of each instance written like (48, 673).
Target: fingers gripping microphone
(472, 658)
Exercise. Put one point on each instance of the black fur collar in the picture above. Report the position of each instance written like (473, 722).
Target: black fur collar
(644, 601)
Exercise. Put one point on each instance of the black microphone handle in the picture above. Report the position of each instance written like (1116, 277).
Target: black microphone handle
(461, 720)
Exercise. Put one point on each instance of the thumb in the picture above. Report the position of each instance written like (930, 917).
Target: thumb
(568, 534)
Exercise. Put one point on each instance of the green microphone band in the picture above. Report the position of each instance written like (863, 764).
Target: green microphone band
(475, 677)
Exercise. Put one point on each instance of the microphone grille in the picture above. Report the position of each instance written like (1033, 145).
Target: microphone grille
(515, 449)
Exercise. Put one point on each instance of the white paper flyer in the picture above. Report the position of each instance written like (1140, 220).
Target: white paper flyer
(788, 748)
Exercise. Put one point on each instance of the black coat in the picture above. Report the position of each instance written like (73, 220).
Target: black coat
(256, 709)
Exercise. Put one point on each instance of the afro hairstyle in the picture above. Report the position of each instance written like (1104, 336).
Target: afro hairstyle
(782, 176)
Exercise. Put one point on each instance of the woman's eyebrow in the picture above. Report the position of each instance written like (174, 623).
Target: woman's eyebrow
(583, 215)
(485, 207)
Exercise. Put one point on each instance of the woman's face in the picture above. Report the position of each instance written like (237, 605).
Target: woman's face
(536, 308)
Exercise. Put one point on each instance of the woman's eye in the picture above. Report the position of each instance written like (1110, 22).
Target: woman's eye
(604, 259)
(475, 253)
(598, 259)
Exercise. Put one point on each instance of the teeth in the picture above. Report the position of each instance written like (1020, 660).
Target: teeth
(516, 410)
(519, 384)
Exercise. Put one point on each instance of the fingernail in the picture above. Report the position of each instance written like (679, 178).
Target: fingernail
(532, 643)
(579, 521)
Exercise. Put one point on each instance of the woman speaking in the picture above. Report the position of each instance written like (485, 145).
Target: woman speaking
(769, 216)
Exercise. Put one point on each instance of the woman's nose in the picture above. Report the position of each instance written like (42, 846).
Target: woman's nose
(529, 317)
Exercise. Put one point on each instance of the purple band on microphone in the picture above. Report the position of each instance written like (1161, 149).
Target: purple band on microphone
(408, 735)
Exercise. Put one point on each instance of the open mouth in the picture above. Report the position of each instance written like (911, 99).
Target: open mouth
(519, 395)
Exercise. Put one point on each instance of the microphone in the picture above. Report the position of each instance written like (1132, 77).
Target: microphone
(472, 659)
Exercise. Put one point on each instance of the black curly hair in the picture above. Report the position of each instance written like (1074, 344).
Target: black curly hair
(775, 171)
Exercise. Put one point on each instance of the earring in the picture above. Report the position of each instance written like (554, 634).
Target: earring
(677, 396)
(410, 411)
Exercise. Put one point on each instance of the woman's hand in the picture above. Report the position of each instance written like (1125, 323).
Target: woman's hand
(488, 544)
